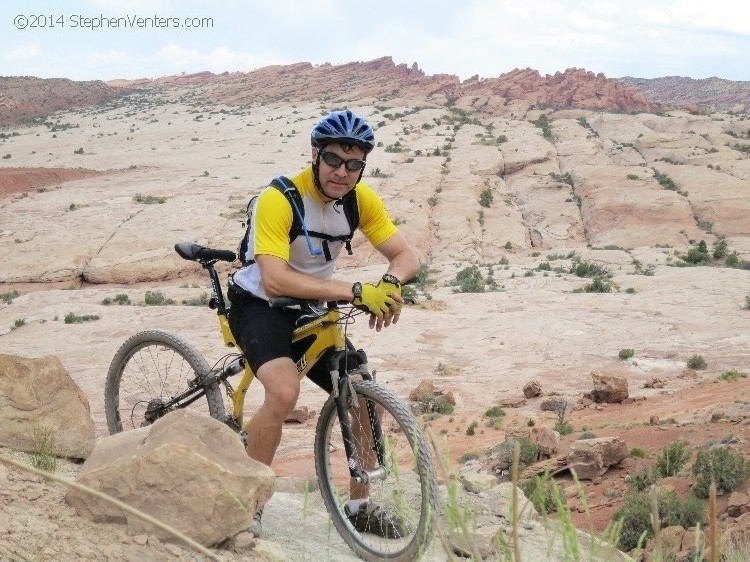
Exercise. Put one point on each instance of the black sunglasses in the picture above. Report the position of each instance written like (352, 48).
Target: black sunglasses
(335, 161)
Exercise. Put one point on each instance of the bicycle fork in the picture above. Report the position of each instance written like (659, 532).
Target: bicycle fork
(346, 398)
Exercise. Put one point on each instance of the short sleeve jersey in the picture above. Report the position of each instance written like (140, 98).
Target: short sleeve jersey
(272, 221)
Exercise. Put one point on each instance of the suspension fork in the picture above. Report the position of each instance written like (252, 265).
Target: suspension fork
(345, 397)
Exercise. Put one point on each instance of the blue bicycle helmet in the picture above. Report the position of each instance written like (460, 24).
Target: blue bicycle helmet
(345, 127)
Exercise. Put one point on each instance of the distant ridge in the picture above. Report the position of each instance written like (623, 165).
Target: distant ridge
(25, 98)
(681, 91)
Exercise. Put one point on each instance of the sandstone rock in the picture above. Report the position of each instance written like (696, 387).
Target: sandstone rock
(653, 420)
(477, 481)
(553, 404)
(38, 399)
(609, 388)
(483, 538)
(499, 499)
(690, 537)
(532, 389)
(267, 551)
(655, 382)
(188, 470)
(547, 441)
(425, 387)
(511, 402)
(592, 457)
(738, 504)
(300, 415)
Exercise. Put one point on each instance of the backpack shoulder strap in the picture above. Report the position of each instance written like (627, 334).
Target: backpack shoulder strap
(290, 191)
(351, 212)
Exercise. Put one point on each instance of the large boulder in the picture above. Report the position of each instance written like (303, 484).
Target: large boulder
(591, 458)
(188, 470)
(546, 440)
(41, 406)
(532, 389)
(609, 388)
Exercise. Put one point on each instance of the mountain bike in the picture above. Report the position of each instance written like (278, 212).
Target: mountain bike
(364, 433)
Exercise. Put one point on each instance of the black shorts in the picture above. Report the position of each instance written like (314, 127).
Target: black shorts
(265, 333)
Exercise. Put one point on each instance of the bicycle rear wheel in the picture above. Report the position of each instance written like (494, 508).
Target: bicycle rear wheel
(407, 489)
(153, 373)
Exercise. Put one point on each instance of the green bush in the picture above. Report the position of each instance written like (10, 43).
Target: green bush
(486, 197)
(471, 430)
(469, 280)
(672, 458)
(697, 362)
(8, 297)
(121, 299)
(588, 269)
(466, 457)
(156, 298)
(19, 322)
(633, 177)
(626, 353)
(494, 412)
(641, 479)
(71, 318)
(727, 469)
(148, 199)
(564, 428)
(586, 435)
(201, 300)
(636, 516)
(543, 493)
(732, 375)
(432, 403)
(598, 285)
(638, 453)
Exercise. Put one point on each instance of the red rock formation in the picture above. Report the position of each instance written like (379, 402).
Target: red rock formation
(382, 78)
(25, 97)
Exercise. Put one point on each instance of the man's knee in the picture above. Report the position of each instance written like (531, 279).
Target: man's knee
(281, 383)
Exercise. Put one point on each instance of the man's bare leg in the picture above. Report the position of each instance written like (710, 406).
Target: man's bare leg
(281, 383)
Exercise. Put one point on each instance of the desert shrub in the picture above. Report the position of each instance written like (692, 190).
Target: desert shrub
(71, 318)
(626, 353)
(641, 479)
(747, 302)
(466, 457)
(543, 494)
(156, 298)
(486, 197)
(732, 375)
(727, 469)
(121, 299)
(586, 435)
(588, 269)
(564, 428)
(19, 322)
(672, 458)
(638, 453)
(636, 516)
(598, 285)
(544, 266)
(544, 124)
(42, 454)
(201, 300)
(78, 151)
(697, 362)
(633, 177)
(494, 412)
(8, 297)
(471, 430)
(148, 199)
(562, 178)
(469, 280)
(720, 249)
(432, 403)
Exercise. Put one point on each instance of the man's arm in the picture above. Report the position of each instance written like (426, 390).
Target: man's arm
(402, 261)
(280, 280)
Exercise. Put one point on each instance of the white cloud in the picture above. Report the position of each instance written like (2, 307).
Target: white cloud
(26, 52)
(217, 60)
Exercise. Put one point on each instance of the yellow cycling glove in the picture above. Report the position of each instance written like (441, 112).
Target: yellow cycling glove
(391, 286)
(372, 298)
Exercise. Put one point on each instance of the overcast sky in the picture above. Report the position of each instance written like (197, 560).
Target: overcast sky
(641, 38)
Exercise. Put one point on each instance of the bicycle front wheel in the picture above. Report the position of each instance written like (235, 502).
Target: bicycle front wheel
(153, 373)
(406, 486)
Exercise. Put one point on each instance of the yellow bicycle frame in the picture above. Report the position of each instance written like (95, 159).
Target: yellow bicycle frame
(327, 333)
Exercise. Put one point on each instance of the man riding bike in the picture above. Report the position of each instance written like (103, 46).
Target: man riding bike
(302, 266)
